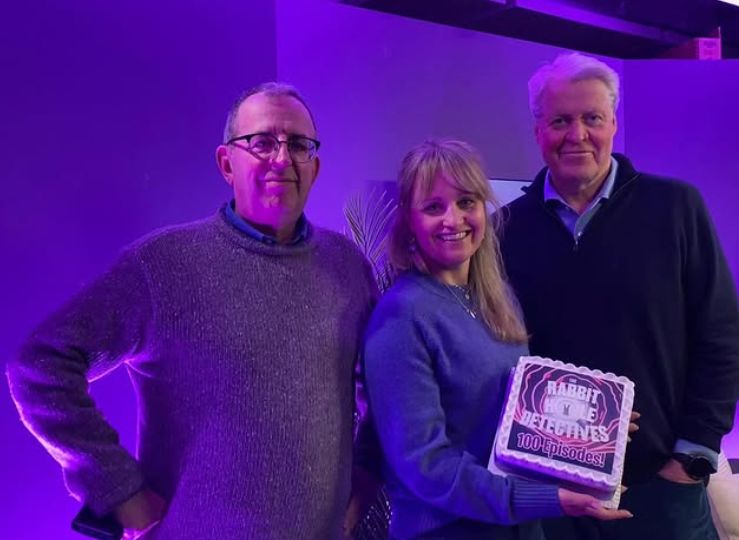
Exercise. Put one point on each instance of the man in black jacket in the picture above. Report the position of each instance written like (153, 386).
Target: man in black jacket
(622, 271)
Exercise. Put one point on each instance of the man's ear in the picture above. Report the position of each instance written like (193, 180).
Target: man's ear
(317, 165)
(223, 161)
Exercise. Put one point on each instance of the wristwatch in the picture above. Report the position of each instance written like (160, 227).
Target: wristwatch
(696, 466)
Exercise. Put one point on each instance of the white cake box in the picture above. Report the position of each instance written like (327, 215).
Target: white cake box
(565, 424)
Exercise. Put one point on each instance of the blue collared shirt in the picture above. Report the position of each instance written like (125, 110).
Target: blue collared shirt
(575, 222)
(301, 227)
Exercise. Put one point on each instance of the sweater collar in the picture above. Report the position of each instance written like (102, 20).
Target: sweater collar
(605, 191)
(624, 175)
(300, 234)
(255, 244)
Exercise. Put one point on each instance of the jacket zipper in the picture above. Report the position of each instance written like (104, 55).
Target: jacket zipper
(575, 239)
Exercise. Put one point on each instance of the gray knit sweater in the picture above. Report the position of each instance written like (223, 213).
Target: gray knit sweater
(241, 355)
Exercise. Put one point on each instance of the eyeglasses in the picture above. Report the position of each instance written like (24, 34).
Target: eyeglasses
(267, 146)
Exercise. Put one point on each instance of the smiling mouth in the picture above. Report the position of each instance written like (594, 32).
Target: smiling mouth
(453, 237)
(280, 180)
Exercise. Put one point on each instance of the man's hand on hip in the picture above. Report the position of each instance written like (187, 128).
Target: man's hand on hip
(140, 513)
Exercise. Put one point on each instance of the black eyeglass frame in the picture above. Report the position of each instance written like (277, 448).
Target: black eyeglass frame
(287, 141)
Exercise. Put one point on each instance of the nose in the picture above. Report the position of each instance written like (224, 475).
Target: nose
(452, 216)
(577, 132)
(282, 157)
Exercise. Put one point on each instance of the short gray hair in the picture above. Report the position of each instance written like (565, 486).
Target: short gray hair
(270, 89)
(571, 67)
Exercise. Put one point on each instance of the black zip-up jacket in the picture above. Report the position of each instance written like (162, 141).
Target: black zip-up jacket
(645, 293)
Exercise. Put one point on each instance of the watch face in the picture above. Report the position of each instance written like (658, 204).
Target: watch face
(699, 467)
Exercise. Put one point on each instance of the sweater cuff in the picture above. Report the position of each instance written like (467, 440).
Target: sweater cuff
(104, 503)
(534, 500)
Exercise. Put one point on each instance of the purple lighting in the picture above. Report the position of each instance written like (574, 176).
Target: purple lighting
(112, 112)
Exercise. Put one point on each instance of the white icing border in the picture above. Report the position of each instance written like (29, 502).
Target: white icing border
(565, 471)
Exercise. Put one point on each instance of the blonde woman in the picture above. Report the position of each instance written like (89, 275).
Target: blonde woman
(438, 351)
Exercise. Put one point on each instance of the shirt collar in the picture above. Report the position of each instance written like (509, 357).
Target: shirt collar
(301, 227)
(606, 190)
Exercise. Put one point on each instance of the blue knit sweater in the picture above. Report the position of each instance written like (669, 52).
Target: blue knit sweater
(436, 379)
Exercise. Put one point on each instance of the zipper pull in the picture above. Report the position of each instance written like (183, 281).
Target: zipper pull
(576, 238)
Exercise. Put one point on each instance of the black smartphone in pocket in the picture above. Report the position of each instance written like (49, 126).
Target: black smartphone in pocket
(105, 527)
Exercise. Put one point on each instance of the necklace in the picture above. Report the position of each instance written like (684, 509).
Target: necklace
(467, 302)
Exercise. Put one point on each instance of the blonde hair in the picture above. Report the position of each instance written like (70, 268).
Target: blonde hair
(459, 162)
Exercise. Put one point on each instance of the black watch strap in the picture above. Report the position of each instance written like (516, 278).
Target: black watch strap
(696, 466)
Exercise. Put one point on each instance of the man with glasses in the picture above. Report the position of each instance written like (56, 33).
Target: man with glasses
(269, 157)
(240, 335)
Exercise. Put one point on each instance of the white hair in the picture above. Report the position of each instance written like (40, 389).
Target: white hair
(571, 67)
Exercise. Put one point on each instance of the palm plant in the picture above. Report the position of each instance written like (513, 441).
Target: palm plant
(368, 218)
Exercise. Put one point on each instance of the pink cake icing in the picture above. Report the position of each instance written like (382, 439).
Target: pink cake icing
(566, 423)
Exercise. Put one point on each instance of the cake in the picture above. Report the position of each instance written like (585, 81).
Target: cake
(566, 424)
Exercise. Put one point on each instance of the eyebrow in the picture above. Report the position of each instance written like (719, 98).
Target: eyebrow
(275, 133)
(431, 198)
(569, 116)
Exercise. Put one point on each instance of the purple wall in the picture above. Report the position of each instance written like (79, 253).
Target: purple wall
(111, 112)
(382, 83)
(682, 118)
(682, 121)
